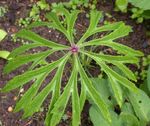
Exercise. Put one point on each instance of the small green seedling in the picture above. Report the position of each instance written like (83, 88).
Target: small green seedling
(3, 10)
(3, 54)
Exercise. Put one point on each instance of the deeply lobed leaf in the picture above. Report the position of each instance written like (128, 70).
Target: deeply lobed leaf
(34, 99)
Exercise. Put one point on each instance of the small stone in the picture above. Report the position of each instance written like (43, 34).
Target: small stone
(145, 44)
(21, 90)
(10, 109)
(15, 98)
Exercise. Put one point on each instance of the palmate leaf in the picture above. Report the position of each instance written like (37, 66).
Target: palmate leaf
(39, 99)
(55, 95)
(64, 21)
(70, 19)
(116, 46)
(23, 59)
(23, 49)
(122, 80)
(30, 93)
(108, 27)
(39, 24)
(117, 61)
(82, 95)
(117, 90)
(110, 72)
(125, 70)
(20, 80)
(121, 31)
(75, 104)
(29, 35)
(110, 58)
(93, 93)
(94, 19)
(56, 22)
(61, 103)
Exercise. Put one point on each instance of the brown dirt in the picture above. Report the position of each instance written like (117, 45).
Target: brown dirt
(137, 40)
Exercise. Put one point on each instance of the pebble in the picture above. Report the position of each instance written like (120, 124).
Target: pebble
(10, 109)
(21, 90)
(145, 44)
(15, 98)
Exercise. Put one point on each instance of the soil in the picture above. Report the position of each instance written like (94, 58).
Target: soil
(19, 9)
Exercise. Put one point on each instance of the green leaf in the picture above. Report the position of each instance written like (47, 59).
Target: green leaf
(121, 31)
(112, 59)
(127, 107)
(140, 103)
(39, 99)
(148, 78)
(122, 80)
(4, 54)
(40, 61)
(23, 48)
(146, 15)
(71, 24)
(27, 97)
(2, 34)
(116, 46)
(99, 94)
(108, 27)
(29, 35)
(128, 119)
(122, 5)
(63, 11)
(57, 24)
(23, 59)
(39, 24)
(103, 87)
(55, 95)
(93, 93)
(94, 19)
(70, 19)
(117, 90)
(75, 104)
(20, 80)
(61, 103)
(143, 4)
(125, 70)
(98, 120)
(82, 95)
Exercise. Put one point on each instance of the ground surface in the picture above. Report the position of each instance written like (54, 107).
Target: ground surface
(20, 9)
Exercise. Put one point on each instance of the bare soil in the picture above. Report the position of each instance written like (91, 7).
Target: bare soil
(19, 9)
